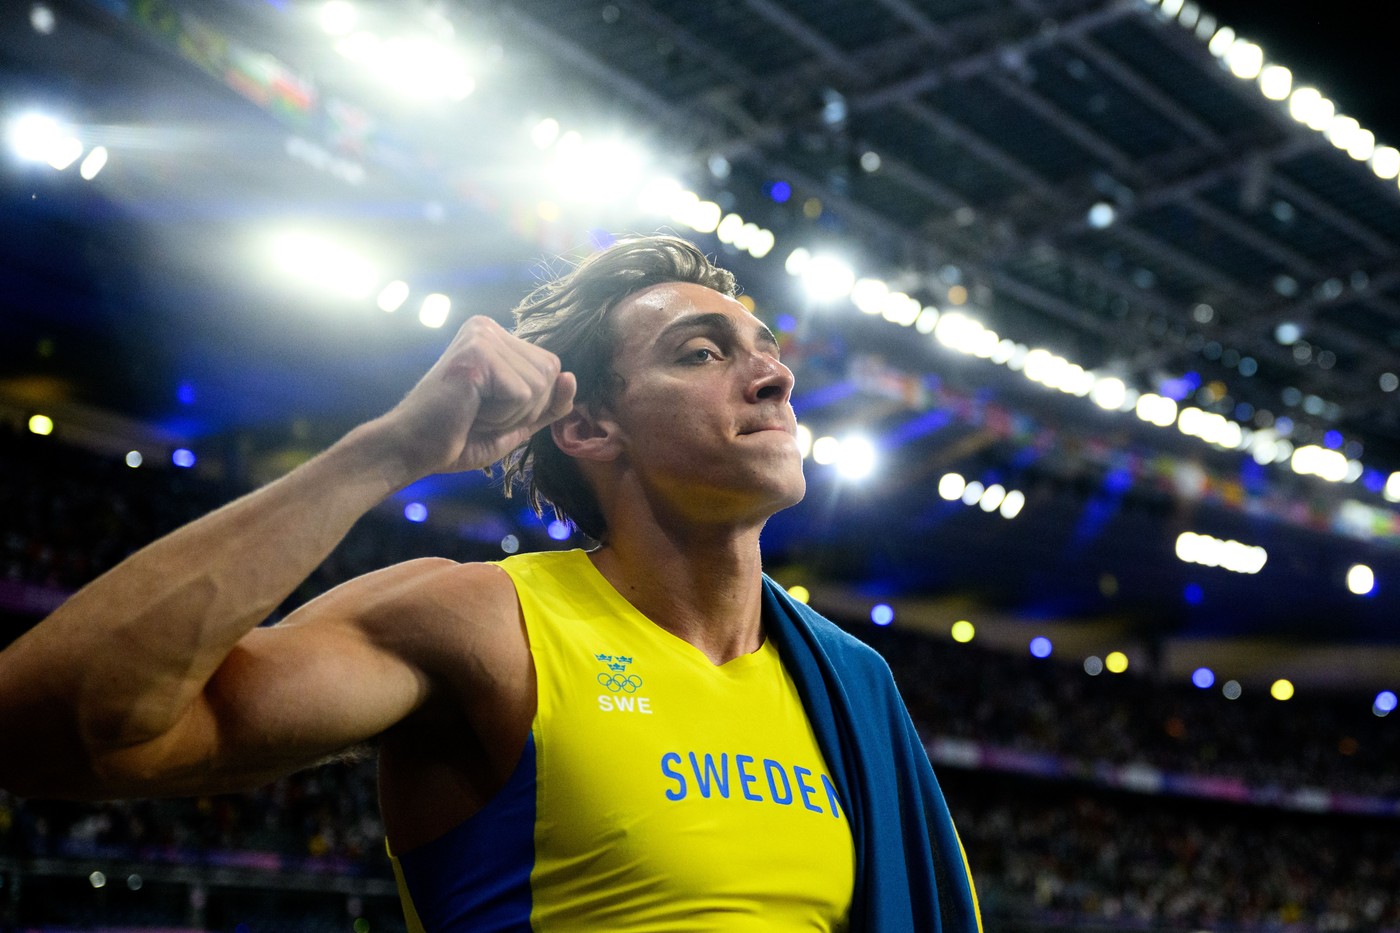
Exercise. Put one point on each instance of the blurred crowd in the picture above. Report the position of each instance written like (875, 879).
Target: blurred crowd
(1068, 854)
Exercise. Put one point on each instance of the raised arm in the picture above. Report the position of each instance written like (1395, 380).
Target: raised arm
(152, 679)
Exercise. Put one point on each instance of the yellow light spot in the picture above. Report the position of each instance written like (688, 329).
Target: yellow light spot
(41, 424)
(799, 593)
(548, 211)
(963, 631)
(1116, 662)
(957, 295)
(747, 302)
(811, 208)
(1281, 690)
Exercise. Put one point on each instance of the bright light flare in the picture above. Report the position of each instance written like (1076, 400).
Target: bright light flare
(392, 297)
(827, 278)
(1312, 460)
(1244, 59)
(856, 458)
(37, 137)
(1361, 579)
(606, 170)
(434, 310)
(1209, 551)
(1275, 82)
(804, 440)
(338, 17)
(951, 486)
(326, 265)
(95, 162)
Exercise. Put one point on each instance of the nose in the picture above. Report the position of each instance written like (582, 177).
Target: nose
(771, 381)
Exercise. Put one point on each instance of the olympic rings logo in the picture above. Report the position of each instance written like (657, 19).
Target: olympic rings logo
(628, 684)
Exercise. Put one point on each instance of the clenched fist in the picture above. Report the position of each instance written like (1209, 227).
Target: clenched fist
(487, 393)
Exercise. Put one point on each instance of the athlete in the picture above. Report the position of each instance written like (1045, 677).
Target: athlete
(645, 736)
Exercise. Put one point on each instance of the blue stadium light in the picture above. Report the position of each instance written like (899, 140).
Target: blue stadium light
(1332, 440)
(183, 458)
(415, 512)
(1041, 647)
(1203, 677)
(558, 530)
(882, 614)
(780, 191)
(1193, 594)
(1385, 703)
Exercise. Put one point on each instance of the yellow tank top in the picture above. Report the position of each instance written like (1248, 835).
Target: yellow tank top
(661, 792)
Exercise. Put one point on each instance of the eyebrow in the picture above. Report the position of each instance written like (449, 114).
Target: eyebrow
(714, 320)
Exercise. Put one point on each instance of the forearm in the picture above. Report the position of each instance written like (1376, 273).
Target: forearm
(121, 661)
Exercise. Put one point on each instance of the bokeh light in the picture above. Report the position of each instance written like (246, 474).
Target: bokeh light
(183, 457)
(1361, 580)
(800, 593)
(882, 614)
(1281, 689)
(1040, 647)
(415, 512)
(1093, 665)
(963, 631)
(41, 425)
(1116, 662)
(1203, 677)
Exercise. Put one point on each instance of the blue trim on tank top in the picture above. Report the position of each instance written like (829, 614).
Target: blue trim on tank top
(476, 876)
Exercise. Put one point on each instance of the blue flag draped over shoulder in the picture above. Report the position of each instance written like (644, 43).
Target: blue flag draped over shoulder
(911, 874)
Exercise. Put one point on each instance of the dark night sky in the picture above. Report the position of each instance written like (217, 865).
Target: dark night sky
(1344, 48)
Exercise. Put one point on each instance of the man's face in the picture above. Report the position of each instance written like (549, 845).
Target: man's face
(704, 407)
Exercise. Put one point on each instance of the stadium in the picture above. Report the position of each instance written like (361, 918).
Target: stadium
(1093, 308)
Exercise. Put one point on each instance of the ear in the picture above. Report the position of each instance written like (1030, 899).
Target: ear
(584, 435)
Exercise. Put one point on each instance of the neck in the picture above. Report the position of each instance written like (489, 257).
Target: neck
(704, 585)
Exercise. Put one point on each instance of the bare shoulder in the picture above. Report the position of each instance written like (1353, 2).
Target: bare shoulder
(428, 610)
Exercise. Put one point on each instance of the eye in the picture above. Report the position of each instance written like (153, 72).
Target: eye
(701, 355)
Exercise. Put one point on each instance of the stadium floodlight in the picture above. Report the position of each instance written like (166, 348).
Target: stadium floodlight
(606, 169)
(434, 310)
(1275, 82)
(544, 133)
(1108, 393)
(1385, 162)
(1341, 131)
(856, 458)
(1244, 59)
(1311, 460)
(827, 278)
(951, 486)
(95, 162)
(660, 195)
(424, 69)
(761, 242)
(1221, 42)
(338, 17)
(869, 295)
(323, 263)
(1363, 146)
(38, 137)
(804, 440)
(1361, 579)
(826, 450)
(392, 296)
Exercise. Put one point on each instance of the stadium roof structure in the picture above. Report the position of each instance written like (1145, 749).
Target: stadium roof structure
(1126, 195)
